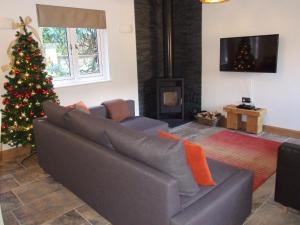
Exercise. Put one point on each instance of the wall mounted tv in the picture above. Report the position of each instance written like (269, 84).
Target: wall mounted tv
(249, 54)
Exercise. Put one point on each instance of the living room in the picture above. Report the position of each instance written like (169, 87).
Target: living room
(143, 47)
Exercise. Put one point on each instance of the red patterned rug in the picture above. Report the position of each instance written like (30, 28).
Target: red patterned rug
(256, 154)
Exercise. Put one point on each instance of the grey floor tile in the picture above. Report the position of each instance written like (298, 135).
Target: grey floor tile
(92, 216)
(271, 214)
(9, 202)
(47, 208)
(9, 219)
(294, 141)
(28, 175)
(264, 193)
(70, 218)
(273, 137)
(9, 167)
(7, 182)
(37, 189)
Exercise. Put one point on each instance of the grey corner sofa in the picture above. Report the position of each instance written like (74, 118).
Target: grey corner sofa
(133, 178)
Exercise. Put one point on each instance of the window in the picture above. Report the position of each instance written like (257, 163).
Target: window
(75, 55)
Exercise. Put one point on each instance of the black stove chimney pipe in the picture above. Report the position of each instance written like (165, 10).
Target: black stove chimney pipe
(168, 38)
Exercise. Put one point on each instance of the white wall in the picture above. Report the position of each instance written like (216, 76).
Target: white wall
(279, 93)
(122, 49)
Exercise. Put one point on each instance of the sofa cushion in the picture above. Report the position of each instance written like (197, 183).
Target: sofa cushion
(196, 159)
(56, 113)
(147, 125)
(81, 106)
(162, 154)
(90, 127)
(101, 110)
(118, 109)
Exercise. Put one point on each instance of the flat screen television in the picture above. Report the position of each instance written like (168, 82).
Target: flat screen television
(249, 54)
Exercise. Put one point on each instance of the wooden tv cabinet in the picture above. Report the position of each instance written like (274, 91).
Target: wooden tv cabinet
(254, 122)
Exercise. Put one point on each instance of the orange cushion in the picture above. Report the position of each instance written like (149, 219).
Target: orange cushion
(80, 106)
(196, 159)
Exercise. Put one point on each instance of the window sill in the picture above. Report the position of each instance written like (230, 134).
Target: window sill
(70, 83)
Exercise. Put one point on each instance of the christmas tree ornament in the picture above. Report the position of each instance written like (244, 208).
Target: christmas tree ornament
(22, 101)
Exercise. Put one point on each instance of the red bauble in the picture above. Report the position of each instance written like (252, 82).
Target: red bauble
(31, 113)
(4, 127)
(37, 78)
(19, 96)
(6, 102)
(42, 114)
(35, 67)
(6, 84)
(27, 95)
(10, 89)
(17, 72)
(48, 81)
(27, 58)
(29, 38)
(19, 49)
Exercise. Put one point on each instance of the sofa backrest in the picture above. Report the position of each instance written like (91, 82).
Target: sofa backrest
(165, 155)
(101, 110)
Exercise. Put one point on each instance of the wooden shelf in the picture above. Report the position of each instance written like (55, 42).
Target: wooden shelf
(254, 118)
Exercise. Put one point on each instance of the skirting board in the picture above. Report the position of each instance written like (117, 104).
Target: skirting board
(282, 131)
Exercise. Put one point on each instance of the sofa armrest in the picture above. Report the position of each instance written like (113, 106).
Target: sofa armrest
(289, 155)
(287, 176)
(124, 191)
(229, 203)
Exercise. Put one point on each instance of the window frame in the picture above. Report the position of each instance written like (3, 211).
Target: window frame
(75, 77)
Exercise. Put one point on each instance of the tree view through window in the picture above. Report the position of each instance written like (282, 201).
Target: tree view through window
(73, 53)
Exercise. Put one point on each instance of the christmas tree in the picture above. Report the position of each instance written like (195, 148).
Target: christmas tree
(27, 86)
(244, 60)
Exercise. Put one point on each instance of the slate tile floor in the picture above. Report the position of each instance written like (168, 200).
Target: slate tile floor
(29, 196)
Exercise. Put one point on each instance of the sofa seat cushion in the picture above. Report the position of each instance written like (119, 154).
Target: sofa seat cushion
(145, 124)
(220, 171)
(167, 156)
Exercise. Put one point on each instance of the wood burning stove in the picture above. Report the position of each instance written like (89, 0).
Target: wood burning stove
(170, 103)
(169, 90)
